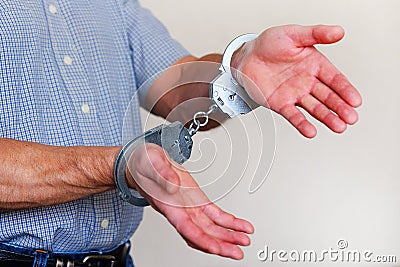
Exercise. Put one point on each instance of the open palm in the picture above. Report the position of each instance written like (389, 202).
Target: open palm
(283, 71)
(173, 192)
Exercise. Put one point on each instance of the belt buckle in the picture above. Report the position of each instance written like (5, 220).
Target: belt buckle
(92, 258)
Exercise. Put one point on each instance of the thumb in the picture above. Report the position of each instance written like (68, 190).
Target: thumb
(312, 35)
(153, 163)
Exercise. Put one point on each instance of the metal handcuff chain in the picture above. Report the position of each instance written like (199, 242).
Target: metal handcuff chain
(227, 96)
(196, 124)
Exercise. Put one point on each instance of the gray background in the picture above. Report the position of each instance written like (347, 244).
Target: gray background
(319, 191)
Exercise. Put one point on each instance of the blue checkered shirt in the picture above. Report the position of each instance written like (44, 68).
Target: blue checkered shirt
(68, 69)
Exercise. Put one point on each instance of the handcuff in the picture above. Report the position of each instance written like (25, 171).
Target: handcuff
(227, 95)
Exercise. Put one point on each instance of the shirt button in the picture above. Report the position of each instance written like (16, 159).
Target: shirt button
(68, 60)
(52, 9)
(104, 223)
(85, 108)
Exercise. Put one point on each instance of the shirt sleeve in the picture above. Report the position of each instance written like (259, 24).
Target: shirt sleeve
(153, 49)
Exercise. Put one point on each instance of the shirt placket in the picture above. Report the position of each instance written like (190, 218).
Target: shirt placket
(73, 74)
(104, 226)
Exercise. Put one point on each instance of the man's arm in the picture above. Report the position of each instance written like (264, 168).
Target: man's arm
(34, 175)
(281, 70)
(187, 80)
(280, 62)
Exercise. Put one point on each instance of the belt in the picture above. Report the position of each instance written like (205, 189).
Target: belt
(115, 258)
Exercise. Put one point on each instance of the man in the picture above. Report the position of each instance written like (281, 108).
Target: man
(68, 70)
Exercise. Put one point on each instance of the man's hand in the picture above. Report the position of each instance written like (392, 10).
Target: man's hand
(283, 71)
(173, 192)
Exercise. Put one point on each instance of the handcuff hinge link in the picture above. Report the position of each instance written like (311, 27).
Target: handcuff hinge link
(196, 124)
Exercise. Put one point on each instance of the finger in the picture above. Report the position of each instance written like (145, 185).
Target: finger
(192, 233)
(195, 235)
(219, 232)
(334, 79)
(322, 113)
(227, 220)
(228, 236)
(298, 120)
(230, 251)
(154, 164)
(226, 250)
(335, 103)
(312, 35)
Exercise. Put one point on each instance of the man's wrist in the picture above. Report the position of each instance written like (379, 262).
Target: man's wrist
(226, 90)
(96, 164)
(239, 56)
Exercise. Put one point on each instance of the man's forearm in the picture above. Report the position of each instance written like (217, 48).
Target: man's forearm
(33, 175)
(186, 80)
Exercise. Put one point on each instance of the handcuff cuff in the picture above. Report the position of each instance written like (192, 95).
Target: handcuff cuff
(226, 94)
